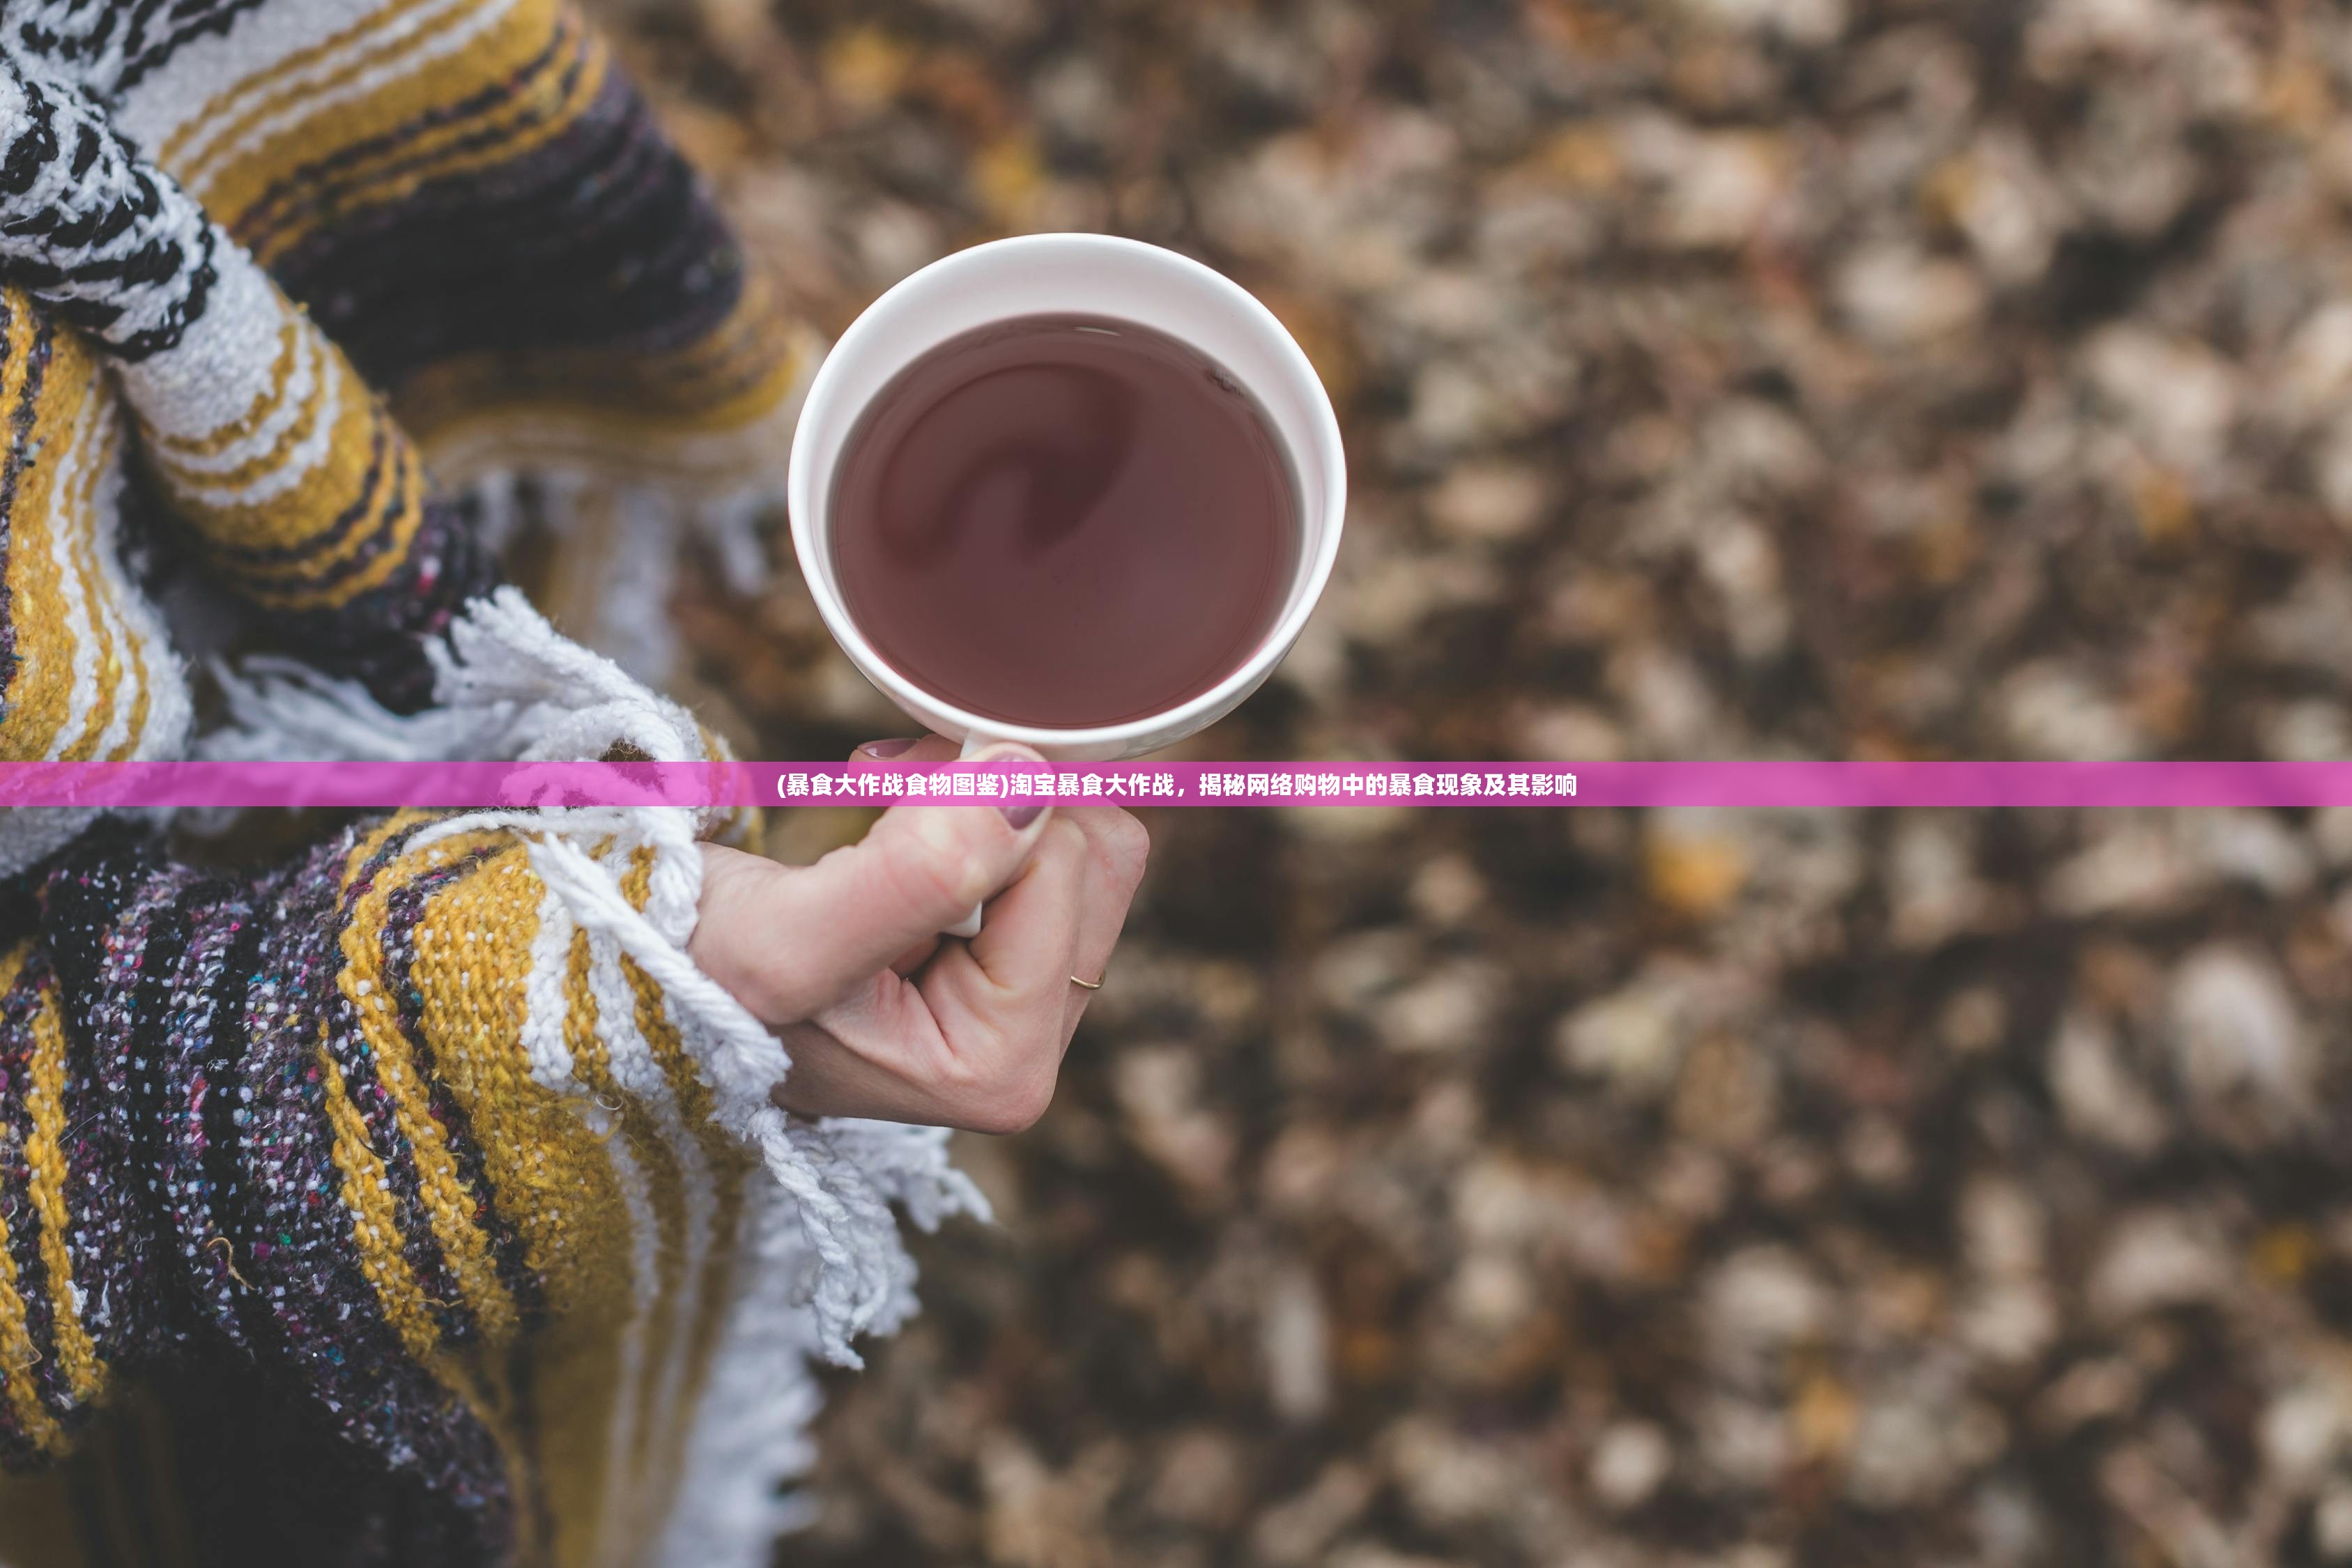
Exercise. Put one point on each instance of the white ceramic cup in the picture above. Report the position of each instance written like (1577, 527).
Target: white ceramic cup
(1070, 274)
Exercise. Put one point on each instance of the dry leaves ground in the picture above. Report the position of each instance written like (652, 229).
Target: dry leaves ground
(1724, 378)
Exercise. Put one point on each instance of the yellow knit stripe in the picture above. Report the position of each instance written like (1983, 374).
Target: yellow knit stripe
(665, 1183)
(386, 114)
(574, 1378)
(214, 442)
(69, 455)
(45, 1159)
(141, 694)
(96, 450)
(578, 1380)
(579, 1036)
(367, 1188)
(648, 1455)
(289, 515)
(19, 1355)
(375, 1223)
(227, 124)
(389, 497)
(547, 106)
(290, 164)
(661, 1449)
(662, 1452)
(114, 581)
(718, 1297)
(472, 967)
(396, 510)
(733, 364)
(587, 1481)
(694, 1097)
(491, 429)
(40, 695)
(593, 1066)
(373, 842)
(329, 378)
(449, 1208)
(739, 375)
(34, 618)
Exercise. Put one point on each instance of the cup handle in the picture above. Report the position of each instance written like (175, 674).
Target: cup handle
(968, 927)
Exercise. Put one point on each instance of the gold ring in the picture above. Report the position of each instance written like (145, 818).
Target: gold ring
(1089, 985)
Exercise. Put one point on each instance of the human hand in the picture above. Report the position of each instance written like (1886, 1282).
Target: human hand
(883, 1017)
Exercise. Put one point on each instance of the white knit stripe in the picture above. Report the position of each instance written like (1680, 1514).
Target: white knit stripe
(214, 375)
(827, 1260)
(545, 1007)
(100, 260)
(385, 26)
(59, 18)
(618, 1524)
(409, 60)
(304, 379)
(102, 505)
(185, 88)
(166, 733)
(862, 1278)
(639, 1075)
(631, 604)
(675, 888)
(67, 529)
(751, 1428)
(740, 1059)
(94, 514)
(313, 450)
(699, 1190)
(674, 881)
(32, 833)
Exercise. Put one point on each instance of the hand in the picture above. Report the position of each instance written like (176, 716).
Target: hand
(884, 1018)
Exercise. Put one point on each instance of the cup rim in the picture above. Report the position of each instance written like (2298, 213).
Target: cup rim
(1207, 706)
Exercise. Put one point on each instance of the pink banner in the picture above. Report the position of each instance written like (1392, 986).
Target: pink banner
(377, 786)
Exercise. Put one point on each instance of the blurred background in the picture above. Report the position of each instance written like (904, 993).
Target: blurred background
(1730, 378)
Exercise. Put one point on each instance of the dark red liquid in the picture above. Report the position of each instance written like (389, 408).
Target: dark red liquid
(1064, 522)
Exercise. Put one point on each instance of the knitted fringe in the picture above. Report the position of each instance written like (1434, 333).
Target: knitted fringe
(506, 686)
(842, 1175)
(629, 528)
(509, 685)
(749, 1439)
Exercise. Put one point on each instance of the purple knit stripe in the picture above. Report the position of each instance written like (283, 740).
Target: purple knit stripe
(206, 984)
(356, 1059)
(406, 910)
(298, 1237)
(114, 1186)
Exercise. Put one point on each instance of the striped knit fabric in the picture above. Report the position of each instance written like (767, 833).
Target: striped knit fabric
(414, 1201)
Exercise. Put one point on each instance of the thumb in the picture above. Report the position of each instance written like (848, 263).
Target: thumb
(825, 929)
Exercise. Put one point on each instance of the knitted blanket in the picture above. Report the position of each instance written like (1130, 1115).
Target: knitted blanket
(415, 1200)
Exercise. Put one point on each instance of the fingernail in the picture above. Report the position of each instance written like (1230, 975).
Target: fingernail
(1019, 816)
(880, 749)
